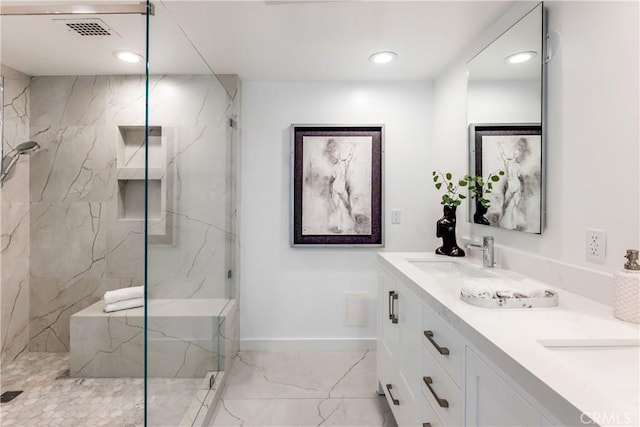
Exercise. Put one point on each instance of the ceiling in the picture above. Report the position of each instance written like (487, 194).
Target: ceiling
(258, 40)
(523, 36)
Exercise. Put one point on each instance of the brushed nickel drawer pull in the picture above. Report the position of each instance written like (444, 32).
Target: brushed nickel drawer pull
(394, 400)
(442, 402)
(393, 295)
(441, 350)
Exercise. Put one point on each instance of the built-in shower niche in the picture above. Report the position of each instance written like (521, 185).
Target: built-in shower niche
(131, 179)
(131, 147)
(131, 199)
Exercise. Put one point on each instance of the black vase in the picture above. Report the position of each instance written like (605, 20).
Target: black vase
(479, 216)
(446, 229)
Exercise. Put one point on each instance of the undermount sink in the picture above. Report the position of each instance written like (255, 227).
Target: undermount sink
(441, 269)
(614, 362)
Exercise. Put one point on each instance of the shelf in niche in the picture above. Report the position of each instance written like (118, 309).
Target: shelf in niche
(131, 199)
(124, 174)
(131, 151)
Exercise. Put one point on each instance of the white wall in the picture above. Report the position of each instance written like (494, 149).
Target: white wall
(292, 295)
(592, 143)
(593, 176)
(503, 101)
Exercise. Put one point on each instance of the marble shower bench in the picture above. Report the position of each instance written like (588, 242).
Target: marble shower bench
(184, 339)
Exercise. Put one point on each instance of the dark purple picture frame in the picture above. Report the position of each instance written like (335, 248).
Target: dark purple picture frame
(376, 237)
(478, 131)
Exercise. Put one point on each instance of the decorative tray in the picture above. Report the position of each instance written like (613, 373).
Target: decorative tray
(551, 299)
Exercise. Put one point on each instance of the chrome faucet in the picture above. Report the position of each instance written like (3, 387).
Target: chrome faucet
(487, 250)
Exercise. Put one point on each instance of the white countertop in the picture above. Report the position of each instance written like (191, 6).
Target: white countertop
(516, 333)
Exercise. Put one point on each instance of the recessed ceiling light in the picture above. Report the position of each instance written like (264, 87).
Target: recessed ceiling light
(382, 57)
(519, 57)
(126, 56)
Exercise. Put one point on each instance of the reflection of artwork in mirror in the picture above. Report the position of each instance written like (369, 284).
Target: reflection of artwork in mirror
(516, 198)
(337, 185)
(501, 90)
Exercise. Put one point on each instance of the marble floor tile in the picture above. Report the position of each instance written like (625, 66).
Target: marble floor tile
(293, 374)
(303, 412)
(356, 412)
(321, 388)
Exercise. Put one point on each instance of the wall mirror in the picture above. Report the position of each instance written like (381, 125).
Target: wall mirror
(505, 121)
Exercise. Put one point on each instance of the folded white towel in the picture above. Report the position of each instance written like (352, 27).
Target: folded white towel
(123, 305)
(123, 294)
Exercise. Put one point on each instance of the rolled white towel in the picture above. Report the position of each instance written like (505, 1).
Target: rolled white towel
(506, 294)
(123, 305)
(541, 293)
(483, 288)
(123, 294)
(533, 288)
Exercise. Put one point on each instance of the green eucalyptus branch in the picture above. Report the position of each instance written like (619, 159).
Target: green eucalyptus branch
(477, 186)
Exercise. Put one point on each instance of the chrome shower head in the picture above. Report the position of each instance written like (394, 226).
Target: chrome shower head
(27, 147)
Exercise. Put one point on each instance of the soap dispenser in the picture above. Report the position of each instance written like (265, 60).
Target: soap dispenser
(626, 290)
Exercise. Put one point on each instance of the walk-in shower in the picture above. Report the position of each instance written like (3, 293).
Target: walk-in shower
(130, 181)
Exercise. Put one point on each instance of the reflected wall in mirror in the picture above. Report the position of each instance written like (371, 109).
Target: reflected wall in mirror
(505, 120)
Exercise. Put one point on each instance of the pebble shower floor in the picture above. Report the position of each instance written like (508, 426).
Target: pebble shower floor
(51, 398)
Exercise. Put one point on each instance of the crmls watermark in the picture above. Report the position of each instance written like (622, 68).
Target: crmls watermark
(606, 418)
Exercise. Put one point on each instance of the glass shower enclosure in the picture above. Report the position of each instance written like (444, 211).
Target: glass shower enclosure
(133, 186)
(191, 233)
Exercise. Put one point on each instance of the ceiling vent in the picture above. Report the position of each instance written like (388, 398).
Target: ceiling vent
(88, 27)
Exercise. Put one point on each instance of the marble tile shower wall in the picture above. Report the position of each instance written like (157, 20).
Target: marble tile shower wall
(14, 221)
(79, 246)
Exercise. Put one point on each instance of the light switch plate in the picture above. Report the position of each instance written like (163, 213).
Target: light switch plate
(396, 216)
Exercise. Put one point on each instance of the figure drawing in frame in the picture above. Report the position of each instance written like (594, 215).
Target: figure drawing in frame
(336, 185)
(515, 200)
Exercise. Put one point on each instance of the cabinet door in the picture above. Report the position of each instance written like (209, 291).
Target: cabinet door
(399, 346)
(491, 401)
(399, 398)
(408, 312)
(388, 327)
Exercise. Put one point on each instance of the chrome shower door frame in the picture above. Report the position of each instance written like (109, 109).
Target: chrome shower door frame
(71, 9)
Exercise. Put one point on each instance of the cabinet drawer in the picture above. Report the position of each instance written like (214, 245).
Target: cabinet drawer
(441, 392)
(428, 417)
(399, 398)
(444, 343)
(492, 401)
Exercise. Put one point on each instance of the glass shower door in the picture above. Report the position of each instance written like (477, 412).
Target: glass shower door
(190, 231)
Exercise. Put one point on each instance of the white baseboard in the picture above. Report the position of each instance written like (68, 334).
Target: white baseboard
(301, 344)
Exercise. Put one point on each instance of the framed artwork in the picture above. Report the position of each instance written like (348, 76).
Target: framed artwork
(336, 185)
(516, 149)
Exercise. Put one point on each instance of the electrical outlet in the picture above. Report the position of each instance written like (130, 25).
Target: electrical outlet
(396, 215)
(596, 245)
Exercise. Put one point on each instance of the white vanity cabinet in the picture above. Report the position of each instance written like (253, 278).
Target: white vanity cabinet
(431, 375)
